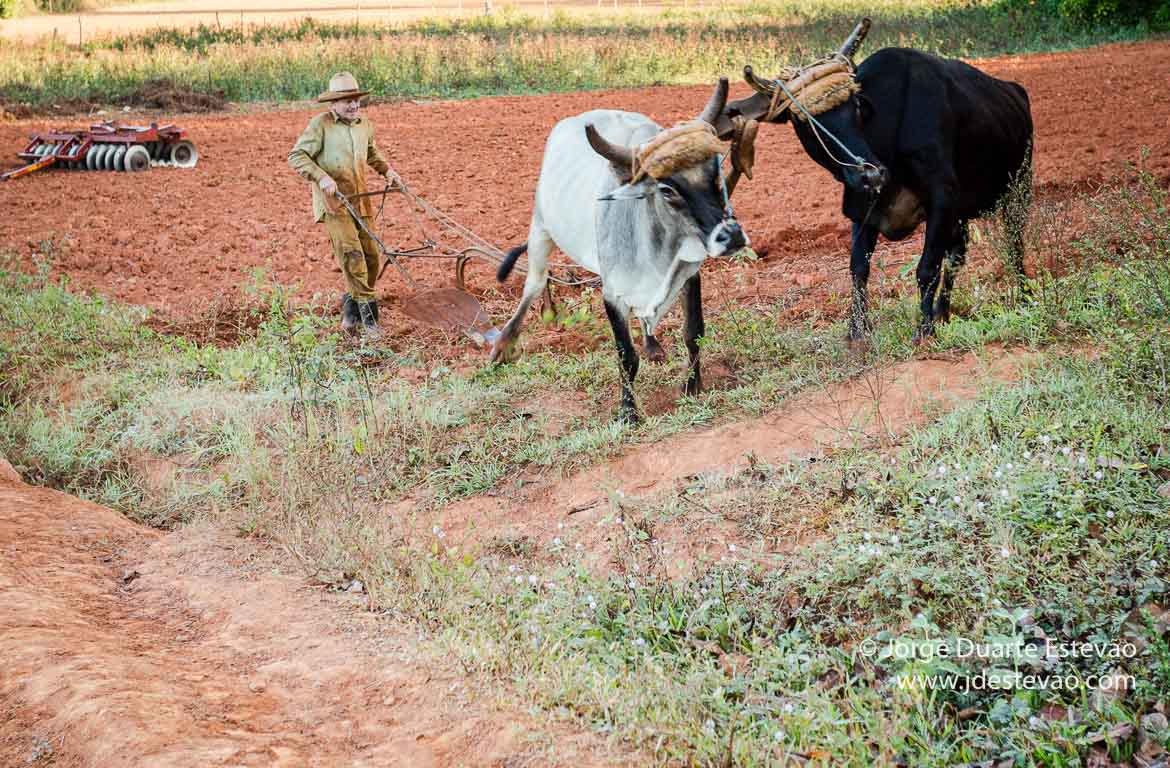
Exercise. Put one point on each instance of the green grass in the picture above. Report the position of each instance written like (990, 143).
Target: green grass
(1036, 510)
(509, 52)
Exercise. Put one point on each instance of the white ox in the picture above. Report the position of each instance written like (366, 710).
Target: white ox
(646, 237)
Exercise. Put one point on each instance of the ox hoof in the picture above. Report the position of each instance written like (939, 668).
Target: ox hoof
(627, 416)
(503, 350)
(654, 351)
(923, 336)
(692, 388)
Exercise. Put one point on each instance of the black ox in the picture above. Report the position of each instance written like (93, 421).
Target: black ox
(941, 142)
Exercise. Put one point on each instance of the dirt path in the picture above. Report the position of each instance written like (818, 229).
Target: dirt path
(123, 647)
(179, 241)
(872, 410)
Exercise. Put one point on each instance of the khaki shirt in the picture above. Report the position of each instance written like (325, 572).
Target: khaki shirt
(341, 150)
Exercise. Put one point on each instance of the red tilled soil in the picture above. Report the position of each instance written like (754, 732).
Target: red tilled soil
(181, 241)
(123, 647)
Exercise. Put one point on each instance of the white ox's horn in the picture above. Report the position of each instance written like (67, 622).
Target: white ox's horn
(716, 103)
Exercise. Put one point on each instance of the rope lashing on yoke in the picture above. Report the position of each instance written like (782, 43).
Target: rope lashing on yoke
(810, 91)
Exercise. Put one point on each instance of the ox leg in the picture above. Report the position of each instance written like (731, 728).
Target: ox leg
(540, 245)
(940, 234)
(864, 240)
(695, 330)
(956, 257)
(628, 359)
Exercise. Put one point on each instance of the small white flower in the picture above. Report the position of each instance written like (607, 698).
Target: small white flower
(979, 505)
(893, 460)
(932, 500)
(511, 569)
(789, 708)
(966, 478)
(550, 585)
(593, 606)
(867, 535)
(1010, 466)
(1109, 514)
(1048, 462)
(1004, 493)
(997, 474)
(620, 521)
(1027, 454)
(778, 736)
(1045, 439)
(709, 725)
(1003, 552)
(633, 584)
(894, 539)
(957, 499)
(1066, 450)
(519, 579)
(578, 546)
(730, 547)
(995, 446)
(942, 469)
(532, 579)
(560, 526)
(1098, 475)
(557, 541)
(1153, 563)
(640, 641)
(441, 534)
(435, 529)
(1081, 459)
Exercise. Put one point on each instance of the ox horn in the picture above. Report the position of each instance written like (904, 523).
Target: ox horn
(618, 156)
(716, 103)
(764, 87)
(856, 38)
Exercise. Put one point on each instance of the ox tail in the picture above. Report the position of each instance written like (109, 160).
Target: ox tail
(510, 261)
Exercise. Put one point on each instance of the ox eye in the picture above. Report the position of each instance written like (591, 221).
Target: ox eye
(668, 192)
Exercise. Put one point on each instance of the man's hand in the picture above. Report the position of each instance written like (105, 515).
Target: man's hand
(328, 185)
(392, 178)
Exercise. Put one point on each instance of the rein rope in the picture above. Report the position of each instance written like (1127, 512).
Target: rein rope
(775, 109)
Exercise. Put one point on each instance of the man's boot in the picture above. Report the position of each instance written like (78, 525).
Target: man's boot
(369, 315)
(350, 318)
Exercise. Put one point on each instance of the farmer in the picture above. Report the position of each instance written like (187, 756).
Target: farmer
(333, 153)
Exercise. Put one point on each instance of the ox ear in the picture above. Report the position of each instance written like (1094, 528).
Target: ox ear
(620, 158)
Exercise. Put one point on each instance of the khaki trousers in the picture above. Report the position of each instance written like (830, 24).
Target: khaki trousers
(356, 253)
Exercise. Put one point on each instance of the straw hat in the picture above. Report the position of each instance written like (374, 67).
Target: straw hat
(343, 85)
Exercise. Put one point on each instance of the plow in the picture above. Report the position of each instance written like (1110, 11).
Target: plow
(108, 146)
(449, 309)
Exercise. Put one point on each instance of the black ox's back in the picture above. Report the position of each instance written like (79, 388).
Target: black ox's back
(934, 117)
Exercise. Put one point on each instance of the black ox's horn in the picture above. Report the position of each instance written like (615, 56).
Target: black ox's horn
(856, 38)
(765, 87)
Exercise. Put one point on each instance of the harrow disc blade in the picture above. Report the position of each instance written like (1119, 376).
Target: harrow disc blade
(183, 154)
(137, 159)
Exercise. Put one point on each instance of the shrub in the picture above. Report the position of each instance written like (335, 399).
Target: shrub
(1155, 13)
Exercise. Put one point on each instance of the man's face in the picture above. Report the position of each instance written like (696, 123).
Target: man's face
(348, 109)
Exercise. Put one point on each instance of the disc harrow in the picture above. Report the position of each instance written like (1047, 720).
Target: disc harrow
(108, 146)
